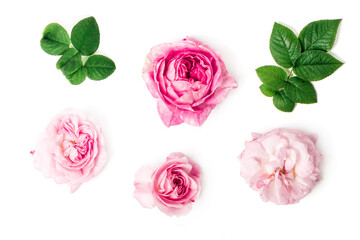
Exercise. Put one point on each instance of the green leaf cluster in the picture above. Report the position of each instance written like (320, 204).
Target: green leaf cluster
(84, 41)
(301, 59)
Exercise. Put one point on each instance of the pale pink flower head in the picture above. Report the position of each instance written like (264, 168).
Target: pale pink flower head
(71, 150)
(281, 164)
(172, 187)
(188, 79)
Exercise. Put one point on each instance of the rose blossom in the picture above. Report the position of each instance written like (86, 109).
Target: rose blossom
(71, 150)
(172, 187)
(281, 164)
(188, 79)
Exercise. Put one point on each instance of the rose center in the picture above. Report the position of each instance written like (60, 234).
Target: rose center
(178, 185)
(176, 181)
(76, 149)
(193, 69)
(283, 171)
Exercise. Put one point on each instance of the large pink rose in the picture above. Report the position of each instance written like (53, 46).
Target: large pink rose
(71, 150)
(188, 79)
(172, 187)
(281, 164)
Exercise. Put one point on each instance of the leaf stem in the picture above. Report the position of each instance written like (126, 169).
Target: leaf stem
(290, 74)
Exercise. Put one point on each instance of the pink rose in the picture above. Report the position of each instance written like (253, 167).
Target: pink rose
(188, 79)
(172, 187)
(281, 164)
(71, 150)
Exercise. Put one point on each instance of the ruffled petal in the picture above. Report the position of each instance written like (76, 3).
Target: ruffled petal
(168, 117)
(281, 164)
(143, 187)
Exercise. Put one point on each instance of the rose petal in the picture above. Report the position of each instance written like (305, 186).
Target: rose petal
(71, 150)
(195, 118)
(143, 187)
(169, 118)
(281, 164)
(172, 187)
(189, 77)
(221, 93)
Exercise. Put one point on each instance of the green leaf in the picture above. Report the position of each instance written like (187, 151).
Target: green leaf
(77, 77)
(272, 76)
(99, 67)
(314, 65)
(319, 35)
(68, 54)
(55, 40)
(70, 62)
(300, 91)
(284, 46)
(85, 36)
(282, 102)
(267, 91)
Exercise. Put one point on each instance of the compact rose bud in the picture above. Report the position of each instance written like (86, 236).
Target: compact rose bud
(281, 164)
(188, 79)
(71, 150)
(172, 187)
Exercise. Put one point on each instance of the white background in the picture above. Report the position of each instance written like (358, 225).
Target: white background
(33, 91)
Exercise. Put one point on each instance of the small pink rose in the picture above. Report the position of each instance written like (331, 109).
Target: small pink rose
(172, 187)
(188, 79)
(71, 150)
(281, 164)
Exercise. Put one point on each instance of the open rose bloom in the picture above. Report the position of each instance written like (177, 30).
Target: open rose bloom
(281, 164)
(172, 187)
(71, 150)
(188, 79)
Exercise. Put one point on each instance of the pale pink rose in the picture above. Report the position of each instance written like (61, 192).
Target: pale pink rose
(281, 164)
(172, 187)
(188, 79)
(71, 150)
